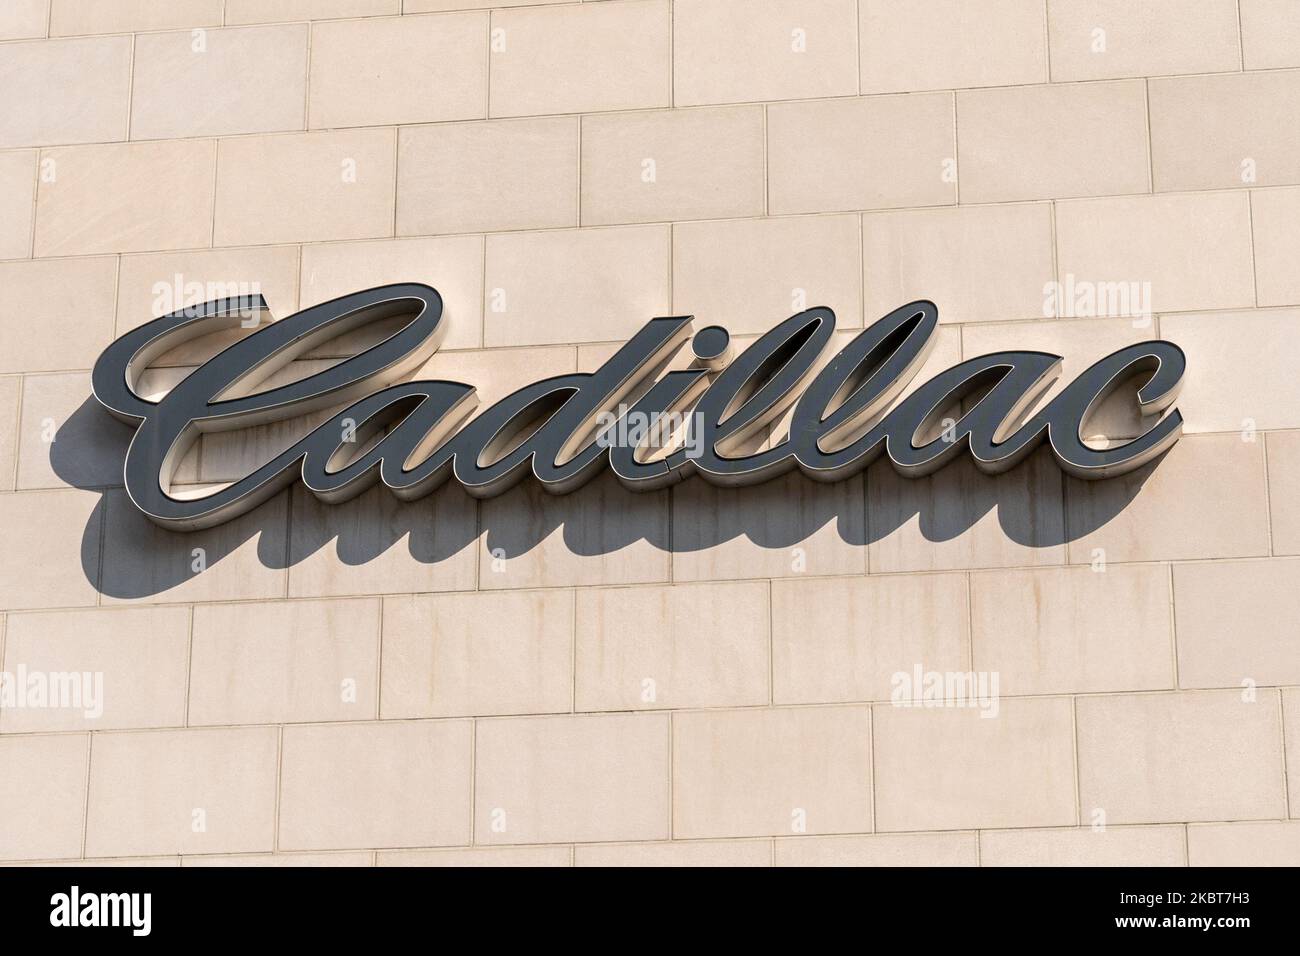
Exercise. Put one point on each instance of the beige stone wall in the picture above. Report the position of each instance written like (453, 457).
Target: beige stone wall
(1144, 630)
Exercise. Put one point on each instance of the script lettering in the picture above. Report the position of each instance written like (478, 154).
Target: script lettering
(414, 435)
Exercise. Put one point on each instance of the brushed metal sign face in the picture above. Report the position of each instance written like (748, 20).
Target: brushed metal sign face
(652, 421)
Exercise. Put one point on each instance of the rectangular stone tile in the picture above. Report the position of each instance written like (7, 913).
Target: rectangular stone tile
(1113, 846)
(66, 437)
(601, 534)
(579, 59)
(1079, 341)
(1237, 621)
(71, 17)
(1275, 222)
(453, 265)
(24, 19)
(58, 563)
(1215, 132)
(1194, 250)
(182, 791)
(1231, 383)
(219, 82)
(471, 177)
(378, 544)
(241, 559)
(1203, 755)
(973, 262)
(267, 11)
(65, 91)
(1275, 843)
(733, 51)
(42, 796)
(1205, 498)
(59, 313)
(843, 639)
(750, 274)
(772, 771)
(726, 853)
(1052, 142)
(579, 779)
(789, 526)
(1148, 39)
(1284, 491)
(284, 661)
(1270, 34)
(17, 203)
(948, 44)
(125, 861)
(678, 164)
(305, 187)
(676, 646)
(380, 72)
(158, 283)
(882, 849)
(527, 856)
(875, 152)
(10, 398)
(281, 859)
(135, 658)
(390, 784)
(464, 654)
(1074, 630)
(431, 6)
(95, 199)
(951, 768)
(587, 285)
(960, 518)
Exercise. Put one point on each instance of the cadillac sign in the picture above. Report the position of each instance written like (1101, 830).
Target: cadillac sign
(414, 435)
